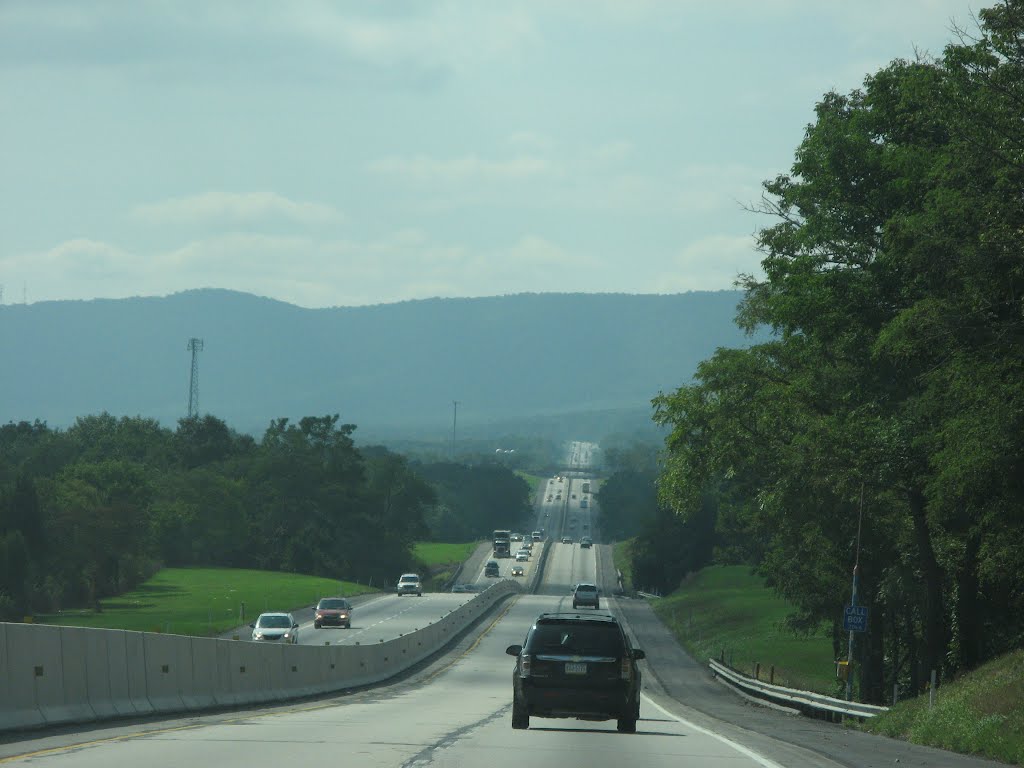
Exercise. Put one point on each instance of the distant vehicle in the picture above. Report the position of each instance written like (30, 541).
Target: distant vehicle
(537, 535)
(409, 584)
(585, 594)
(586, 542)
(275, 628)
(586, 487)
(502, 543)
(518, 570)
(464, 588)
(516, 537)
(576, 665)
(583, 503)
(574, 495)
(332, 610)
(567, 539)
(522, 556)
(491, 569)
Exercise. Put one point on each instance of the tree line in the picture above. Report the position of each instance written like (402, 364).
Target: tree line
(884, 418)
(93, 510)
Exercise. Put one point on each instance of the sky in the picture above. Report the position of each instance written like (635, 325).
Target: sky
(352, 153)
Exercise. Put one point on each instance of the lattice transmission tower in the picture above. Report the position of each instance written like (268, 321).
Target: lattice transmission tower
(195, 346)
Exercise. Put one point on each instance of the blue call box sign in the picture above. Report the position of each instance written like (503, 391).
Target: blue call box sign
(855, 618)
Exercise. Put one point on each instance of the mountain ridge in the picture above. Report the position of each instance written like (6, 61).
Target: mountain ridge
(385, 366)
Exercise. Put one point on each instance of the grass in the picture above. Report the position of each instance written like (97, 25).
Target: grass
(981, 713)
(622, 556)
(433, 554)
(440, 561)
(727, 607)
(533, 481)
(204, 601)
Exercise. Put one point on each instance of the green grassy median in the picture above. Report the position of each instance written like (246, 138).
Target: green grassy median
(204, 601)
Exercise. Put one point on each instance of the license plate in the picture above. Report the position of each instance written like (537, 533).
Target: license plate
(572, 668)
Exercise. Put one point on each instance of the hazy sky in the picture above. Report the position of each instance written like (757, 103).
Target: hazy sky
(346, 153)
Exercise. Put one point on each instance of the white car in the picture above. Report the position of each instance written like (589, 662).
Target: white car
(409, 584)
(522, 556)
(275, 628)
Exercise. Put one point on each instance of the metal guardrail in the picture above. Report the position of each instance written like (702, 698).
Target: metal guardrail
(806, 701)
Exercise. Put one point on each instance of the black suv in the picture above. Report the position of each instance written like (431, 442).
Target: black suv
(576, 665)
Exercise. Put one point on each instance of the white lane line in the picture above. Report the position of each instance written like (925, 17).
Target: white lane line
(759, 759)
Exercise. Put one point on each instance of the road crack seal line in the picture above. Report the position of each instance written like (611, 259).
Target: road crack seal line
(426, 755)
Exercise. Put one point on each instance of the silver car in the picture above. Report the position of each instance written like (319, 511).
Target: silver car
(275, 628)
(409, 584)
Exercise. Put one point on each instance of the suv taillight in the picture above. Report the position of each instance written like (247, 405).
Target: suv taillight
(627, 668)
(525, 665)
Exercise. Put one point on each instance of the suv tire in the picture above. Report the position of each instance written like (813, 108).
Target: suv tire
(520, 717)
(626, 725)
(316, 625)
(574, 605)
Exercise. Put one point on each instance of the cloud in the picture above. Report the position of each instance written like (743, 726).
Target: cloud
(309, 271)
(710, 263)
(235, 207)
(404, 43)
(426, 169)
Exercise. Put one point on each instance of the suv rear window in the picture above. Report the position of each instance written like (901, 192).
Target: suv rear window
(577, 638)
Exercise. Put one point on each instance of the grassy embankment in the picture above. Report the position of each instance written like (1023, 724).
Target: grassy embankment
(623, 559)
(204, 601)
(208, 601)
(533, 481)
(981, 713)
(440, 560)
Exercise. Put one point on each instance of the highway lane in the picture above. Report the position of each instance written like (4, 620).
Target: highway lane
(385, 618)
(457, 715)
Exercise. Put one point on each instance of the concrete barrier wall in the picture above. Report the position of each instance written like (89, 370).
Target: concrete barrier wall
(51, 675)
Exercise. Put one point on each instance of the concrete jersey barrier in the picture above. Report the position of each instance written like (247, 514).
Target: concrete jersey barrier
(53, 675)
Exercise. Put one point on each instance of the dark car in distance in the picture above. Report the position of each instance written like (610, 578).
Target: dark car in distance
(332, 610)
(576, 665)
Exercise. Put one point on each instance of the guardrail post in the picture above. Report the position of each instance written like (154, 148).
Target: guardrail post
(931, 691)
(771, 675)
(757, 670)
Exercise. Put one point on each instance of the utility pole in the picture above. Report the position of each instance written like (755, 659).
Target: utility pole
(455, 417)
(195, 346)
(853, 600)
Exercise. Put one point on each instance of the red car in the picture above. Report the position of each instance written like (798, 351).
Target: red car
(332, 610)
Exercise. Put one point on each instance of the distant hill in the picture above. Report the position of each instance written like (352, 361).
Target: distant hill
(389, 368)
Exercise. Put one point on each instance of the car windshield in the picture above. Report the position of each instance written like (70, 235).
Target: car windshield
(579, 638)
(586, 588)
(332, 604)
(275, 621)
